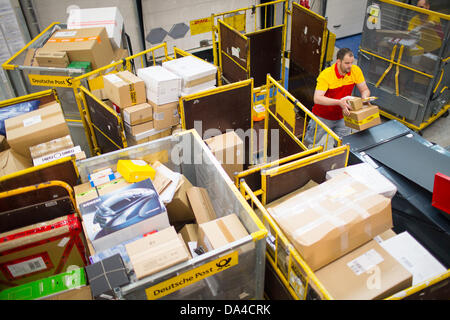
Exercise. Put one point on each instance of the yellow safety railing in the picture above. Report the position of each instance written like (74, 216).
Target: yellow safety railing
(310, 279)
(288, 108)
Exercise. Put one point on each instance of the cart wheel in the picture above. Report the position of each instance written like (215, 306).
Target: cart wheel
(445, 115)
(420, 133)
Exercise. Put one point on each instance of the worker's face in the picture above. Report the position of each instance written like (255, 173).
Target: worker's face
(345, 65)
(423, 4)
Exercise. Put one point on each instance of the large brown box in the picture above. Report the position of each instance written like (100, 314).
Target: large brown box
(219, 232)
(228, 148)
(367, 273)
(364, 118)
(36, 127)
(90, 44)
(156, 252)
(328, 221)
(124, 89)
(165, 115)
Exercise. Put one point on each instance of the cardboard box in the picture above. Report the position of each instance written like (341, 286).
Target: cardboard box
(138, 128)
(228, 148)
(217, 233)
(3, 143)
(135, 170)
(165, 115)
(366, 174)
(365, 118)
(30, 58)
(413, 257)
(156, 252)
(367, 273)
(52, 146)
(189, 232)
(41, 250)
(124, 89)
(193, 71)
(162, 85)
(35, 127)
(11, 162)
(52, 59)
(328, 221)
(90, 44)
(138, 114)
(123, 214)
(179, 209)
(148, 136)
(109, 17)
(106, 275)
(69, 285)
(355, 103)
(201, 204)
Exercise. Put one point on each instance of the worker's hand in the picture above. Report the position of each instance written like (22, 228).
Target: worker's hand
(343, 103)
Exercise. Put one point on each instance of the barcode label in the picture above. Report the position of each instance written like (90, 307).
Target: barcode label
(27, 267)
(31, 121)
(365, 262)
(62, 34)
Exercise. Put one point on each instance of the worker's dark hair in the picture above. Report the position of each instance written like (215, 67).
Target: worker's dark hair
(343, 52)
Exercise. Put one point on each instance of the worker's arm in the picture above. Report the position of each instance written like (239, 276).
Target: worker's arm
(363, 89)
(319, 98)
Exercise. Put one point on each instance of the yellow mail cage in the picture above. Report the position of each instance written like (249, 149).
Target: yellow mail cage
(232, 272)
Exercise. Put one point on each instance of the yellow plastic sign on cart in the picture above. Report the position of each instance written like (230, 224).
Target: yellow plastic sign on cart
(183, 280)
(50, 81)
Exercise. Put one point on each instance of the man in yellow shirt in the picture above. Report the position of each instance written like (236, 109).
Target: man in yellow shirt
(333, 90)
(427, 27)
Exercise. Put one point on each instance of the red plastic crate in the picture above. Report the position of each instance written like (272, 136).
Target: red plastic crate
(441, 192)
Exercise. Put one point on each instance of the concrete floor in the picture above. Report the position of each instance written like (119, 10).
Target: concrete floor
(439, 132)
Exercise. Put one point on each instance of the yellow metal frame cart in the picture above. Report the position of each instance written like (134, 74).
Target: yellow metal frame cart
(243, 50)
(404, 54)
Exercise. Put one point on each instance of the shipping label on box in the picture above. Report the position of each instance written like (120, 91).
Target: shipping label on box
(41, 250)
(57, 155)
(123, 214)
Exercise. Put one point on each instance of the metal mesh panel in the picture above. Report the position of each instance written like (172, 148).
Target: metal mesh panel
(422, 35)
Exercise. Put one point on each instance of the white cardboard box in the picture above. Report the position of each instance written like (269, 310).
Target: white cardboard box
(413, 256)
(162, 85)
(367, 175)
(109, 17)
(193, 71)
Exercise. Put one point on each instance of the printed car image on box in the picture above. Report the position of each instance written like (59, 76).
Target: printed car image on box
(123, 214)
